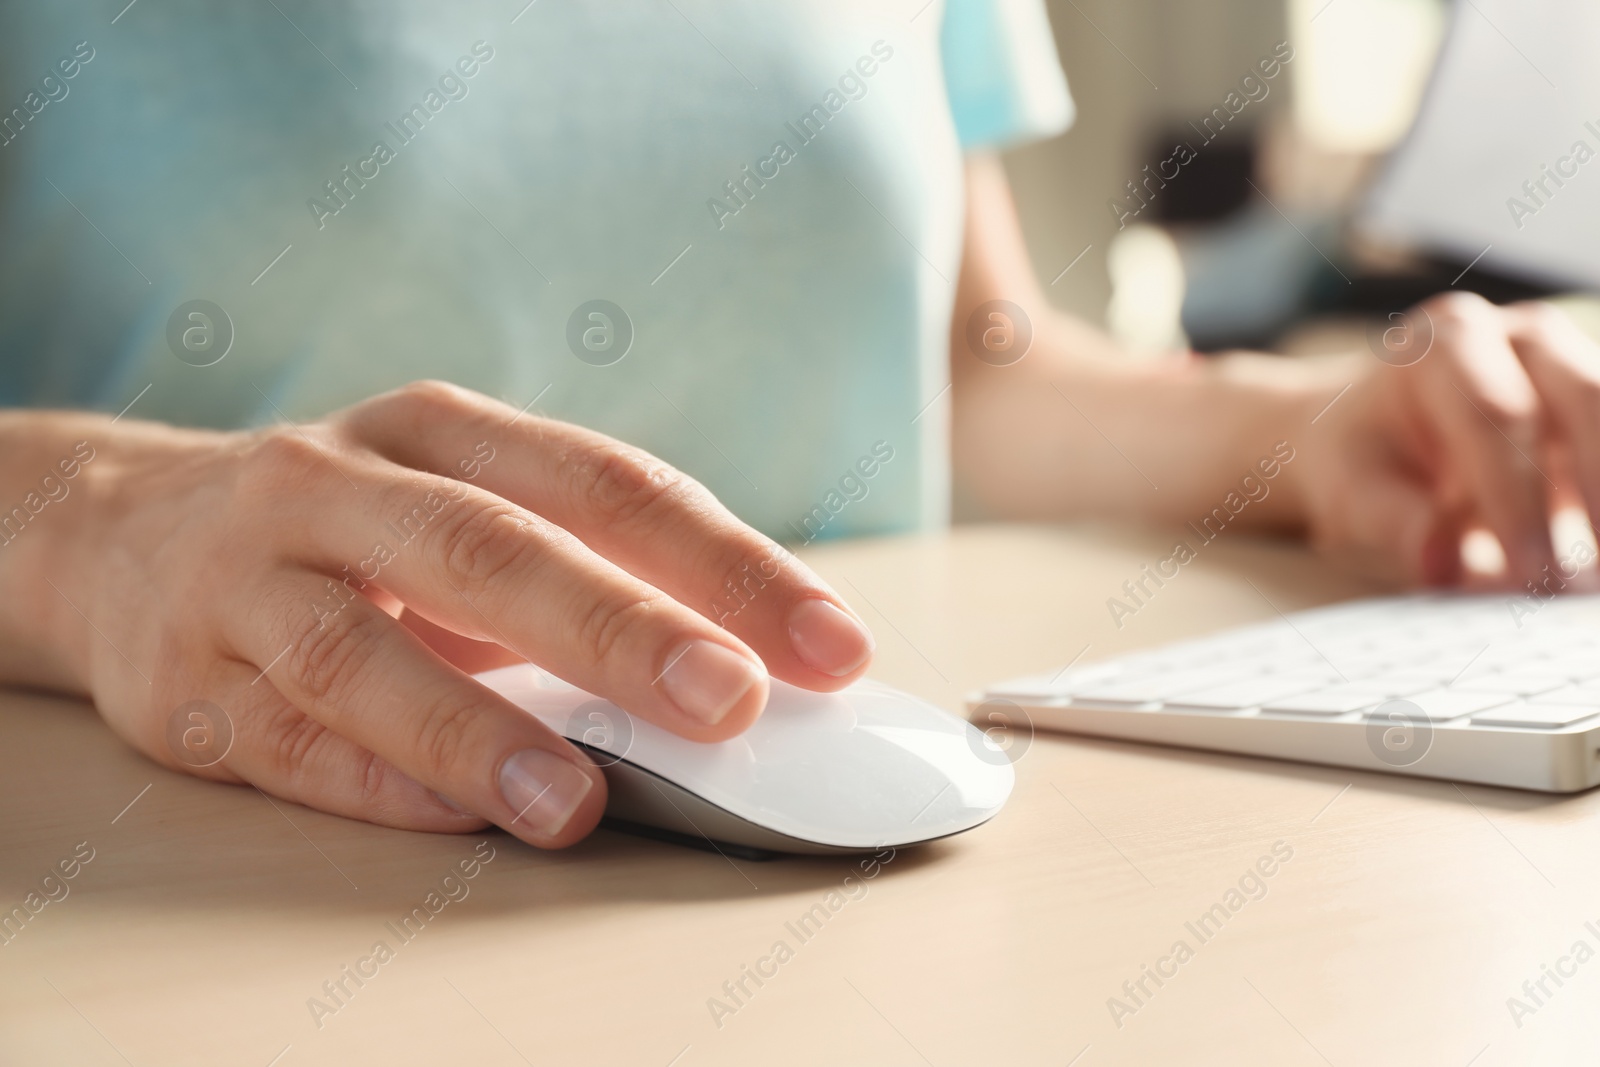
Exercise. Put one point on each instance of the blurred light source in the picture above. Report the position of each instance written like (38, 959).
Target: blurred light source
(1147, 286)
(1360, 67)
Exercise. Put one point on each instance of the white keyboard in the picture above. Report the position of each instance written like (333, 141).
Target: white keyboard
(1503, 690)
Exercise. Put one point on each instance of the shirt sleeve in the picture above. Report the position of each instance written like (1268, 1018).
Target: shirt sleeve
(1002, 73)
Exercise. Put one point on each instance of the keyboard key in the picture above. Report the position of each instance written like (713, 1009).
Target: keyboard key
(1571, 696)
(1155, 688)
(1033, 687)
(1333, 700)
(1535, 716)
(1249, 693)
(1413, 677)
(1390, 685)
(1299, 664)
(1436, 705)
(1517, 683)
(1578, 668)
(1056, 685)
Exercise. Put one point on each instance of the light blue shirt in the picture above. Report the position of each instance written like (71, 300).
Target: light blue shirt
(378, 192)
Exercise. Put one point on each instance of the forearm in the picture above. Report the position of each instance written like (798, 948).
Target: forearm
(1076, 427)
(1067, 434)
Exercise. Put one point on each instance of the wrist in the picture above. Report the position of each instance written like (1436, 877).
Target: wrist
(1305, 415)
(63, 486)
(41, 504)
(1281, 403)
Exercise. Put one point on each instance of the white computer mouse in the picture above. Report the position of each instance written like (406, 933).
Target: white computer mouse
(858, 770)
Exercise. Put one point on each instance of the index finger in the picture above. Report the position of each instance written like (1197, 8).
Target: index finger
(1488, 412)
(1564, 364)
(642, 514)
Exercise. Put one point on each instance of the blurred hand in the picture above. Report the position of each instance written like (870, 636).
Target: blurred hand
(1495, 425)
(329, 586)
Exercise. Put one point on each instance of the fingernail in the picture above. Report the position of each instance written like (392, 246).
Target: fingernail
(543, 788)
(827, 639)
(705, 680)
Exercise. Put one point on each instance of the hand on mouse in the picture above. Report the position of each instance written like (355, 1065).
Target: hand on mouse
(1486, 417)
(329, 585)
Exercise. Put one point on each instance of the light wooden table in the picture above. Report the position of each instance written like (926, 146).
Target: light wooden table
(1408, 914)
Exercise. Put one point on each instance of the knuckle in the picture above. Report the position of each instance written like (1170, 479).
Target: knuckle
(433, 396)
(443, 736)
(483, 544)
(1566, 347)
(328, 652)
(625, 483)
(289, 737)
(293, 743)
(611, 622)
(1457, 308)
(1514, 418)
(281, 460)
(417, 408)
(372, 774)
(1544, 319)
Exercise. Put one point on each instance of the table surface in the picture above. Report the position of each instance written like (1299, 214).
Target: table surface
(1406, 914)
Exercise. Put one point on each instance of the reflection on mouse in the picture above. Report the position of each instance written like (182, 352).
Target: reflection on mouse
(818, 773)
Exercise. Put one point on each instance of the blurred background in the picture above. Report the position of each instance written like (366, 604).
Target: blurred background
(1252, 246)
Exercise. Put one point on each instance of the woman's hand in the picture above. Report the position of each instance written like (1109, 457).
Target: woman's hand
(1475, 416)
(305, 579)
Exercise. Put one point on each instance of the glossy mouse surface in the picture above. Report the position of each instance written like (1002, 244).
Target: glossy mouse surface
(866, 767)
